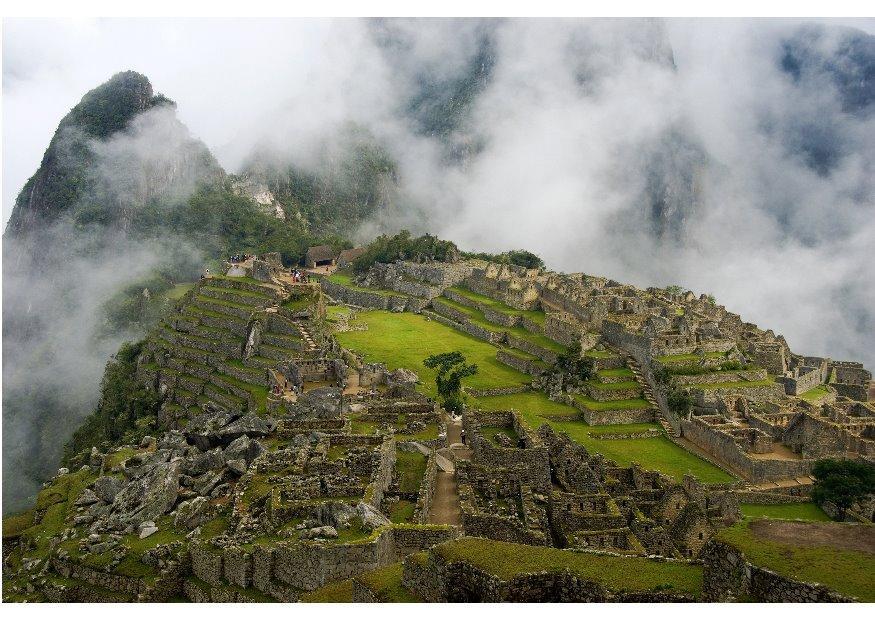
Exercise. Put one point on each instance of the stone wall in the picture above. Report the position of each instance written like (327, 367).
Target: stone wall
(725, 449)
(438, 581)
(729, 576)
(616, 416)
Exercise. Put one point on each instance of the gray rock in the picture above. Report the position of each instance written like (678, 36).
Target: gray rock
(149, 497)
(107, 487)
(238, 466)
(193, 513)
(87, 498)
(147, 528)
(325, 531)
(147, 442)
(204, 462)
(243, 448)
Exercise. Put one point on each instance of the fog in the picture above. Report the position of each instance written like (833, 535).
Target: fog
(688, 152)
(56, 340)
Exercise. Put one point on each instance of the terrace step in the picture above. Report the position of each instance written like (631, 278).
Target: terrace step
(306, 335)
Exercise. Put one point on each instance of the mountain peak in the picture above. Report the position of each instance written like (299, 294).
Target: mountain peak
(102, 111)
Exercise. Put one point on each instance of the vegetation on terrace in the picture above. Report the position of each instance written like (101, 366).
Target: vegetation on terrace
(804, 512)
(403, 340)
(811, 558)
(617, 574)
(478, 318)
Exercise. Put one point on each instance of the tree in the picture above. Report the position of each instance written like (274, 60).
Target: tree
(680, 402)
(451, 369)
(574, 363)
(842, 482)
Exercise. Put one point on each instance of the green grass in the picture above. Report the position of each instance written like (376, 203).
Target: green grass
(491, 431)
(337, 592)
(345, 279)
(333, 313)
(178, 291)
(536, 316)
(616, 373)
(731, 384)
(805, 512)
(362, 427)
(410, 468)
(599, 355)
(815, 394)
(623, 385)
(402, 511)
(404, 340)
(616, 574)
(386, 585)
(477, 318)
(848, 572)
(611, 405)
(689, 357)
(657, 453)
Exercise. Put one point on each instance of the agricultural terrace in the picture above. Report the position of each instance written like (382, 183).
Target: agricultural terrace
(840, 556)
(405, 339)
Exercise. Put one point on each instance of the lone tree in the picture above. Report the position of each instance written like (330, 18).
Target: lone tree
(842, 482)
(451, 369)
(680, 402)
(575, 363)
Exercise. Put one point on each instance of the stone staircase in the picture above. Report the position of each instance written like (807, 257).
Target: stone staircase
(306, 336)
(649, 396)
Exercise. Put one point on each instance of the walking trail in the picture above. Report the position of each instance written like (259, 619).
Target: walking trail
(445, 507)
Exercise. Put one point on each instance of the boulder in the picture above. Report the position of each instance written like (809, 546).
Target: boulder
(149, 497)
(371, 519)
(107, 487)
(221, 429)
(204, 462)
(147, 528)
(87, 498)
(243, 448)
(325, 531)
(238, 466)
(192, 513)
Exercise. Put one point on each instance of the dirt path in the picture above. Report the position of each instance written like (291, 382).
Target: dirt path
(445, 505)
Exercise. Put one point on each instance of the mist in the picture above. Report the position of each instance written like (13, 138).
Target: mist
(729, 157)
(56, 282)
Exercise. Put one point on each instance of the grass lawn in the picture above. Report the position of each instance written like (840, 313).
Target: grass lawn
(731, 384)
(385, 583)
(847, 571)
(611, 405)
(806, 512)
(345, 279)
(402, 511)
(652, 453)
(689, 357)
(404, 340)
(177, 291)
(615, 373)
(815, 394)
(536, 316)
(491, 431)
(410, 467)
(477, 317)
(617, 574)
(337, 592)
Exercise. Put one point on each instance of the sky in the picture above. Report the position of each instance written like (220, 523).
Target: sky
(565, 166)
(651, 152)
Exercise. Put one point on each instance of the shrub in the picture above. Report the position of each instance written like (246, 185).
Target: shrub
(842, 482)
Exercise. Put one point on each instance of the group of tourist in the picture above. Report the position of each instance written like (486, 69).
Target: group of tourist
(240, 258)
(299, 277)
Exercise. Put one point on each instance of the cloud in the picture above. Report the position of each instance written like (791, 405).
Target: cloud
(732, 157)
